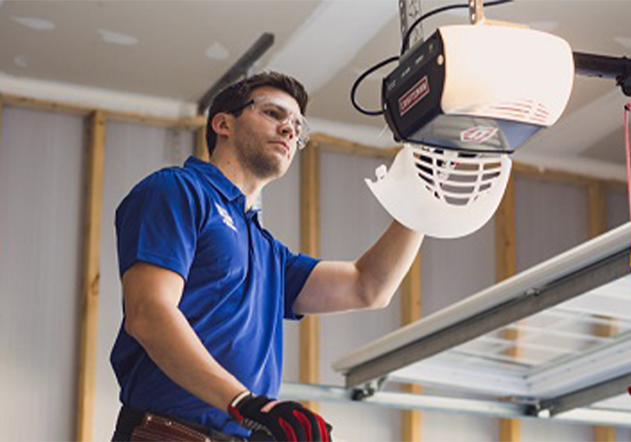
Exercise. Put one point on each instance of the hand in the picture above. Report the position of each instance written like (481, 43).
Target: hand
(283, 420)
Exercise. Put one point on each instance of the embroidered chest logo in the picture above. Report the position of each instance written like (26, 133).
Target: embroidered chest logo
(225, 217)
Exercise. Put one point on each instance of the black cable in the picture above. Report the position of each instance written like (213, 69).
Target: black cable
(404, 47)
(366, 73)
(408, 33)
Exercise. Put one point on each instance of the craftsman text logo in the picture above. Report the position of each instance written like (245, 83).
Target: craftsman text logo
(225, 217)
(413, 96)
(478, 134)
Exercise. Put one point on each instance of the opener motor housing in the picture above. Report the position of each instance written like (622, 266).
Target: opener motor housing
(478, 88)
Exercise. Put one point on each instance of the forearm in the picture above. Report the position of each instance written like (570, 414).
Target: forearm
(173, 345)
(382, 268)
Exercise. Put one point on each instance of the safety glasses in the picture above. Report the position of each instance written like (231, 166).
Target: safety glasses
(276, 112)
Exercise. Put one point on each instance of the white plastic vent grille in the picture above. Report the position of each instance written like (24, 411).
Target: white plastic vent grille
(457, 178)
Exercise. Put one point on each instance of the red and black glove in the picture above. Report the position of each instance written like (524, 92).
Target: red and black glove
(283, 420)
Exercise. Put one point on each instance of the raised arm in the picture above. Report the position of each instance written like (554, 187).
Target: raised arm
(152, 317)
(369, 282)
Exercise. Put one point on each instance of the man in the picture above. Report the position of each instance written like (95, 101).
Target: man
(206, 288)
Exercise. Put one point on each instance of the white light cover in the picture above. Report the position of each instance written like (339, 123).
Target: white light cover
(507, 73)
(444, 194)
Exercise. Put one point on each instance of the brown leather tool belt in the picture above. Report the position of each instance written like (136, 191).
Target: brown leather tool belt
(156, 427)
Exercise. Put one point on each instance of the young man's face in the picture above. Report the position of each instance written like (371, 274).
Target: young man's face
(265, 144)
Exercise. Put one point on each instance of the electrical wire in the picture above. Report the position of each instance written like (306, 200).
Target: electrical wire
(404, 47)
(361, 78)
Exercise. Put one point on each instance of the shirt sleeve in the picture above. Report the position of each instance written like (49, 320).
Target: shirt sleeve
(297, 270)
(157, 223)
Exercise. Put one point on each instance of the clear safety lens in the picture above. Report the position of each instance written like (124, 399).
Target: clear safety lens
(279, 114)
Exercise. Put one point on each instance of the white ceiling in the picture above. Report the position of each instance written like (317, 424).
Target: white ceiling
(176, 50)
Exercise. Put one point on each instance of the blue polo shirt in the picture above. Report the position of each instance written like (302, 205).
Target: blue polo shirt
(240, 283)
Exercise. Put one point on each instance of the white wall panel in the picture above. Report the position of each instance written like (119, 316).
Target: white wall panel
(351, 221)
(281, 207)
(131, 153)
(450, 427)
(541, 431)
(281, 216)
(41, 183)
(453, 269)
(362, 423)
(550, 218)
(617, 208)
(623, 435)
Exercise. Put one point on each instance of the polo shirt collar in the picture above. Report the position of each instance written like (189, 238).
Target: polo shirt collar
(216, 178)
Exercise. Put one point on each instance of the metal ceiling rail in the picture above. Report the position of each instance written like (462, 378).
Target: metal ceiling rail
(593, 416)
(407, 401)
(561, 388)
(575, 272)
(560, 313)
(584, 396)
(548, 381)
(535, 332)
(599, 364)
(463, 377)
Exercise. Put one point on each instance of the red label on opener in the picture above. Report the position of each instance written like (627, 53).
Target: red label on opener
(478, 134)
(413, 96)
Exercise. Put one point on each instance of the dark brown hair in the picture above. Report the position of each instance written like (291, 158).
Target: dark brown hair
(236, 95)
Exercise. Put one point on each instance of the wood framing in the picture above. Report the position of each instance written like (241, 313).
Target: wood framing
(510, 430)
(561, 176)
(326, 142)
(411, 304)
(505, 267)
(112, 115)
(335, 144)
(310, 244)
(538, 173)
(604, 434)
(505, 240)
(201, 151)
(1, 107)
(505, 248)
(597, 225)
(411, 310)
(90, 278)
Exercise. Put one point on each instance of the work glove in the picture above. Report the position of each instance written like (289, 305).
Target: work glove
(283, 420)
